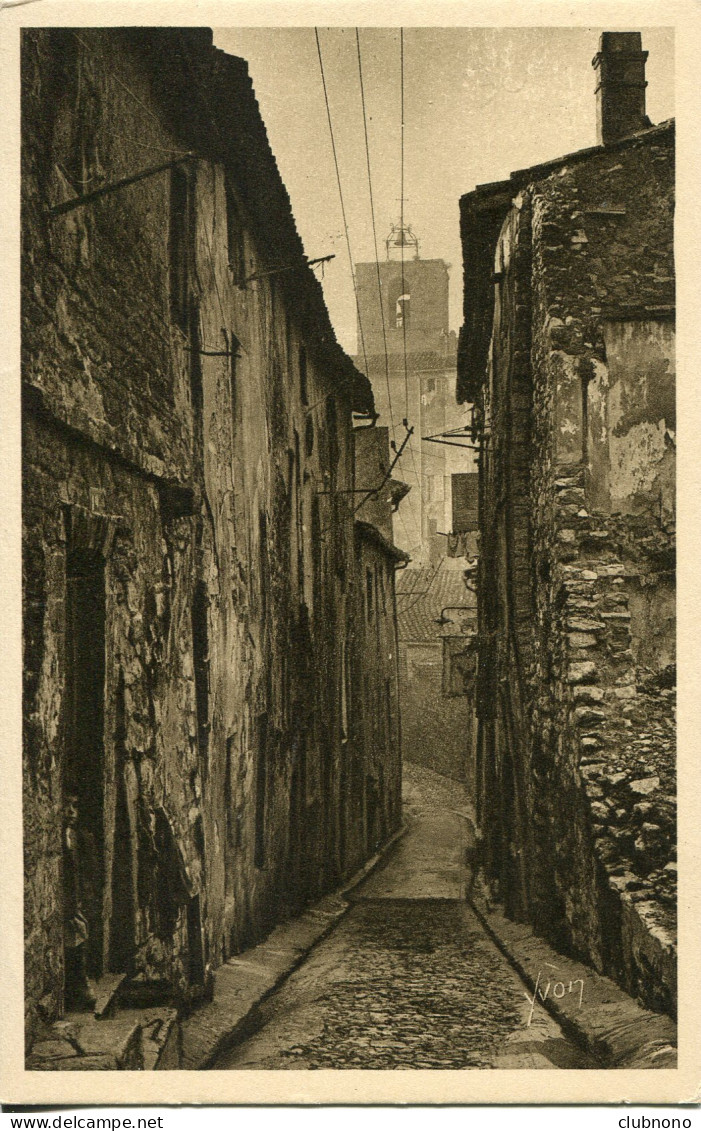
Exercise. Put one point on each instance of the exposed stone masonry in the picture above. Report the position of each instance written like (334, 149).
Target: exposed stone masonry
(195, 762)
(568, 354)
(619, 718)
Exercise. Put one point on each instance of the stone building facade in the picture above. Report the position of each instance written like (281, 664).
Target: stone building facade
(568, 353)
(191, 563)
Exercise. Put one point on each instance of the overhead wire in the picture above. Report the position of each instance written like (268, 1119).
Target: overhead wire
(343, 207)
(425, 593)
(401, 220)
(374, 232)
(417, 590)
(379, 286)
(417, 476)
(413, 582)
(210, 255)
(409, 548)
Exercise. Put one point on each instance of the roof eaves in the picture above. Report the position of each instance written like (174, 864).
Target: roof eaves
(521, 177)
(367, 530)
(222, 120)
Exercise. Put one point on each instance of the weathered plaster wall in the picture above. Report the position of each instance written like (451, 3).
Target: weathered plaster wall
(107, 420)
(200, 451)
(277, 449)
(603, 495)
(632, 420)
(576, 758)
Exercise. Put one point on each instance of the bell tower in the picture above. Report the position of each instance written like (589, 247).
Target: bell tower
(404, 334)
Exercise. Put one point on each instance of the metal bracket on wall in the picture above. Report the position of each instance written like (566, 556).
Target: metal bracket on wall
(212, 353)
(88, 197)
(287, 267)
(455, 434)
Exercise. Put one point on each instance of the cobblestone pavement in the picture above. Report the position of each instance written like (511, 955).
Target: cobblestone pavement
(405, 983)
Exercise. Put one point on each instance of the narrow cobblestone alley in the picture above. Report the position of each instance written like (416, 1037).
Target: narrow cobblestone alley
(408, 978)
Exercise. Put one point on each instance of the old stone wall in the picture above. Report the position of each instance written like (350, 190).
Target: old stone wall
(372, 723)
(190, 557)
(603, 503)
(576, 755)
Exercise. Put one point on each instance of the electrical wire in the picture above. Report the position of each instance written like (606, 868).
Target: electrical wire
(374, 231)
(408, 608)
(401, 218)
(408, 593)
(343, 207)
(401, 226)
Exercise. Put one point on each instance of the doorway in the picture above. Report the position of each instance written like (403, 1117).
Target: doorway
(83, 776)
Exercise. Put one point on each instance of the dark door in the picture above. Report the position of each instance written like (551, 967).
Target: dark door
(83, 770)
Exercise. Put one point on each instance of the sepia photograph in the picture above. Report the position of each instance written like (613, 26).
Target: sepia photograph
(348, 500)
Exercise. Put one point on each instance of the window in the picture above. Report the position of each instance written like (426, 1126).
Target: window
(332, 435)
(344, 691)
(403, 312)
(369, 592)
(200, 649)
(431, 385)
(309, 436)
(586, 378)
(235, 237)
(234, 355)
(261, 789)
(83, 768)
(303, 391)
(179, 252)
(316, 557)
(192, 325)
(195, 945)
(81, 163)
(263, 564)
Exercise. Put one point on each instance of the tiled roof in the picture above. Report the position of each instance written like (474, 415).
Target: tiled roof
(425, 595)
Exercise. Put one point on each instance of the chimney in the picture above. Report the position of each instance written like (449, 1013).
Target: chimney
(620, 87)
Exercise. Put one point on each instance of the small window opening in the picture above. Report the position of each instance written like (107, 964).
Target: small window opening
(309, 436)
(261, 789)
(196, 384)
(234, 356)
(332, 433)
(303, 390)
(83, 777)
(403, 312)
(195, 946)
(235, 238)
(200, 647)
(230, 798)
(344, 691)
(316, 557)
(264, 564)
(586, 378)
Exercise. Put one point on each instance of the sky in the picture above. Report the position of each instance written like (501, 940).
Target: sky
(479, 103)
